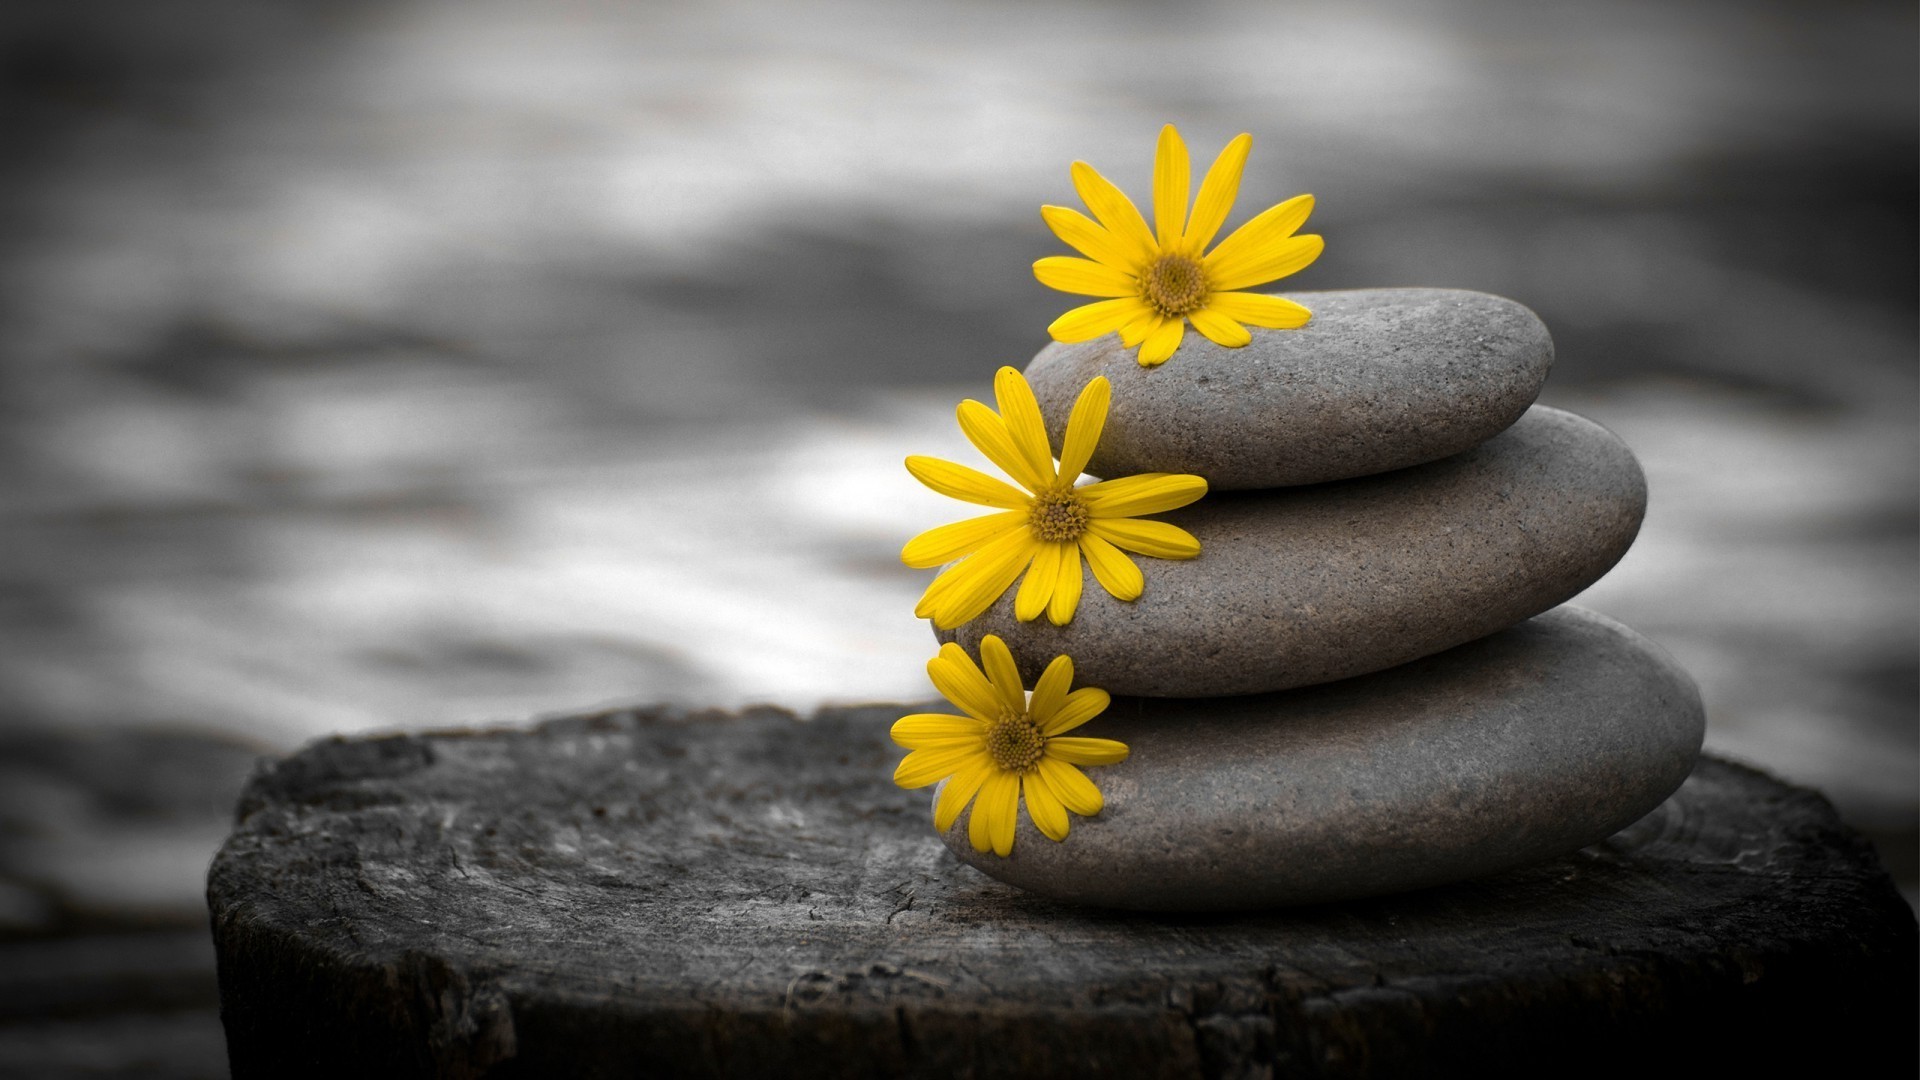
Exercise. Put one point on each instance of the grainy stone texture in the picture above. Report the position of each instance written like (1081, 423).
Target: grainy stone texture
(1308, 585)
(1379, 379)
(1532, 743)
(661, 894)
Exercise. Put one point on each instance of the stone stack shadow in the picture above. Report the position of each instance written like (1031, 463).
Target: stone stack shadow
(1365, 682)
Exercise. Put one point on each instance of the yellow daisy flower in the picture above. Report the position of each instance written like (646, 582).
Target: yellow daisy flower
(1045, 529)
(1006, 746)
(1158, 280)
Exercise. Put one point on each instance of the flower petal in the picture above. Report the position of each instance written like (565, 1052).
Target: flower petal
(1155, 538)
(1068, 581)
(1285, 258)
(1037, 588)
(1113, 209)
(1269, 227)
(1044, 808)
(1164, 493)
(1141, 326)
(991, 576)
(941, 587)
(945, 742)
(1162, 342)
(958, 681)
(1089, 321)
(1084, 425)
(1051, 691)
(967, 485)
(1113, 570)
(936, 591)
(1172, 173)
(1086, 236)
(1274, 312)
(1079, 751)
(1217, 193)
(1219, 329)
(959, 791)
(1022, 415)
(1003, 673)
(945, 543)
(1076, 792)
(923, 767)
(986, 560)
(1084, 276)
(1124, 485)
(989, 435)
(1005, 797)
(986, 807)
(919, 729)
(1081, 706)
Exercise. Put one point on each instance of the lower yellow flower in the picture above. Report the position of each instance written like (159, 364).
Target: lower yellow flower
(1045, 530)
(1005, 746)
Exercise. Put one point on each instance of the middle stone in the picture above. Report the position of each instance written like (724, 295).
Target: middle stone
(1307, 585)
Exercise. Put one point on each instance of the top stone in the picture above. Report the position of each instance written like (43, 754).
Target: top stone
(1379, 379)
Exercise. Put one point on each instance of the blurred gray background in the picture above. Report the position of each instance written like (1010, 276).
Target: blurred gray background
(386, 365)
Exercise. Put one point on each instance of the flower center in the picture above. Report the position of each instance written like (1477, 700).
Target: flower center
(1014, 742)
(1057, 514)
(1174, 285)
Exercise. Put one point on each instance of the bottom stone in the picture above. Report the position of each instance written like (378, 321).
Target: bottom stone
(1528, 744)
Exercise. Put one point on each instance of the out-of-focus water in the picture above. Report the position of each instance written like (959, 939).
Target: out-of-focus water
(368, 366)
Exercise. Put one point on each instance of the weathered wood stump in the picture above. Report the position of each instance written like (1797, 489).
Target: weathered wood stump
(660, 893)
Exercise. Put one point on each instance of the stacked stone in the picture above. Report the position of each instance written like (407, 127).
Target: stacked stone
(1364, 683)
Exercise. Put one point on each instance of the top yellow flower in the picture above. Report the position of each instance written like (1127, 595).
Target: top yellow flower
(1158, 279)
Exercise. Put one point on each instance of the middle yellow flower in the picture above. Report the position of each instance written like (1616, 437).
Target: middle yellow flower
(1046, 529)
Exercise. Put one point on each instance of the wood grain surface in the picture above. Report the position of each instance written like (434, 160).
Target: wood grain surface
(666, 893)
